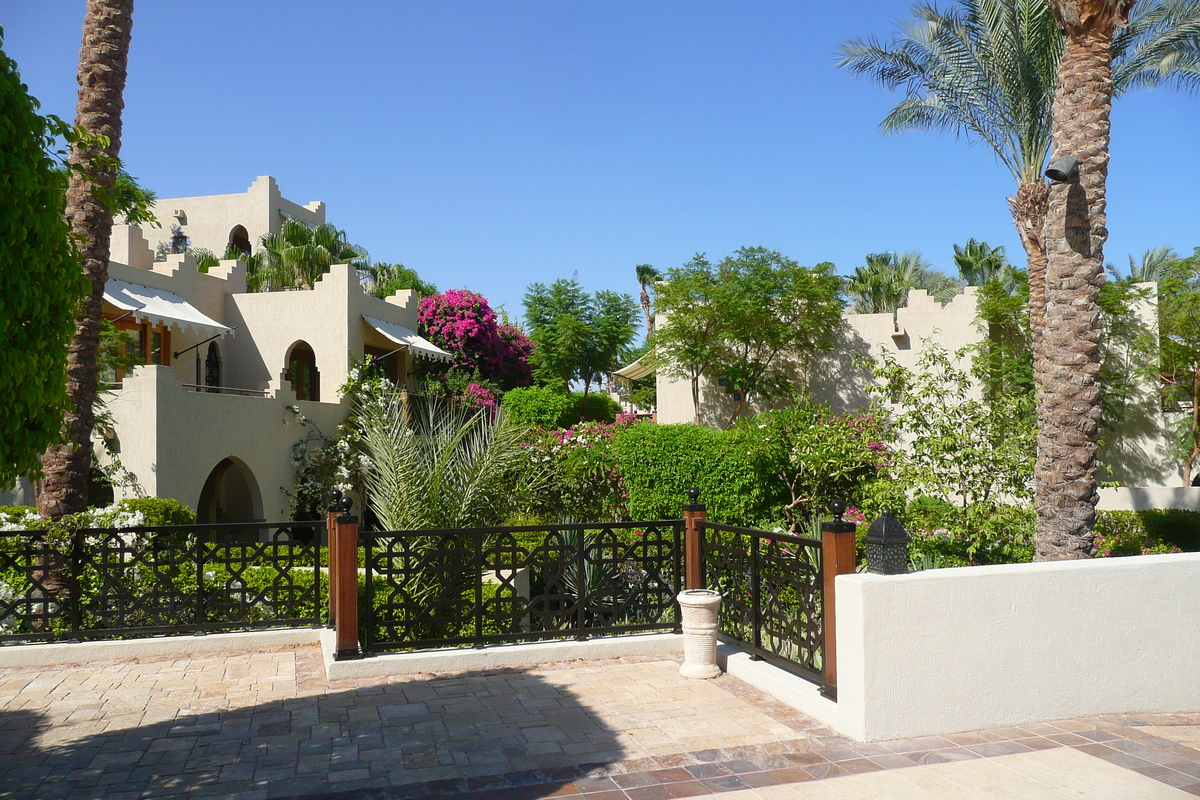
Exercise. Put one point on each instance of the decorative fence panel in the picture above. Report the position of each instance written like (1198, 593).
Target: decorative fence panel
(441, 588)
(771, 585)
(117, 583)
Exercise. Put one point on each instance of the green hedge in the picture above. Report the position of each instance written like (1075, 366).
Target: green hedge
(661, 462)
(1158, 530)
(539, 407)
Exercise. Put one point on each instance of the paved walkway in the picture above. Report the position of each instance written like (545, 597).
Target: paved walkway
(267, 724)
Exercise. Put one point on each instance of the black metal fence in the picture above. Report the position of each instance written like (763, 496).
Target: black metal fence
(454, 587)
(771, 588)
(125, 582)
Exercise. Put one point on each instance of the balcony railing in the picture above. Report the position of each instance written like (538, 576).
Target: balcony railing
(199, 387)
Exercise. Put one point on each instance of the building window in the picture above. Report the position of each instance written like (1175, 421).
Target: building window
(212, 367)
(153, 342)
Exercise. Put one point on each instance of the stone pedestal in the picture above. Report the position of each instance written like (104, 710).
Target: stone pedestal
(700, 609)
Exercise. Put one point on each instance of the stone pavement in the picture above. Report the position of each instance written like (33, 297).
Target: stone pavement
(268, 724)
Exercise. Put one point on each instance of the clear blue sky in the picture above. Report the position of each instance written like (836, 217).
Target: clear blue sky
(491, 144)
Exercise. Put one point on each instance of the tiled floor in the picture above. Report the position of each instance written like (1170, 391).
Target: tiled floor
(268, 724)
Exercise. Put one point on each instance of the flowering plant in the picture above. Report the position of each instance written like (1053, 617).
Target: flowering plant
(463, 324)
(585, 483)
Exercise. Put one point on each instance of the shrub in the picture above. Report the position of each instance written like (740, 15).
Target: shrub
(594, 408)
(159, 510)
(1136, 533)
(536, 407)
(661, 462)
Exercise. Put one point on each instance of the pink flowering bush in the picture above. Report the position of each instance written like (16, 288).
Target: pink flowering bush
(586, 482)
(463, 324)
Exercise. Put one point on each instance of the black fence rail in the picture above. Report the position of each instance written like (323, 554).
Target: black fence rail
(771, 588)
(441, 588)
(142, 581)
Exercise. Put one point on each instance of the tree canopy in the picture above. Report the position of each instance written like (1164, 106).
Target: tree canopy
(756, 319)
(40, 281)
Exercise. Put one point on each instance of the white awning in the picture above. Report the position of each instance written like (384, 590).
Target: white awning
(636, 371)
(403, 336)
(160, 307)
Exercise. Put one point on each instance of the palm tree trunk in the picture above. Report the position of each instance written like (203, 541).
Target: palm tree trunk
(1029, 215)
(645, 299)
(103, 59)
(1190, 462)
(1068, 373)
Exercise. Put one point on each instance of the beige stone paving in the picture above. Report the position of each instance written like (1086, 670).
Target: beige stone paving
(1186, 735)
(266, 723)
(1043, 775)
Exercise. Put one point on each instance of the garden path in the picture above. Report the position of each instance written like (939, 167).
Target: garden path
(253, 725)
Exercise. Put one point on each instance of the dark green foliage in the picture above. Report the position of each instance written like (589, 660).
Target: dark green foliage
(536, 407)
(661, 462)
(1159, 530)
(999, 534)
(40, 280)
(594, 408)
(387, 279)
(160, 510)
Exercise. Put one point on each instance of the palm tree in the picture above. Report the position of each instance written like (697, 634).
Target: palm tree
(1153, 265)
(987, 70)
(647, 275)
(103, 61)
(978, 263)
(882, 286)
(1068, 374)
(299, 255)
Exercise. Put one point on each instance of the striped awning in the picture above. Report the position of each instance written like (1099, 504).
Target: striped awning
(401, 335)
(160, 307)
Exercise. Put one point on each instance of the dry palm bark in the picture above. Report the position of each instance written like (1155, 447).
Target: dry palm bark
(1068, 368)
(103, 59)
(1029, 215)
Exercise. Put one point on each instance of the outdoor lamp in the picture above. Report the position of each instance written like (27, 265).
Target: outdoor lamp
(887, 546)
(1063, 170)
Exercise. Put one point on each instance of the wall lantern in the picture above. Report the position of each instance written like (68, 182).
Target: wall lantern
(1063, 170)
(887, 546)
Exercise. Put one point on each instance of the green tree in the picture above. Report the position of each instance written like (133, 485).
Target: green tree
(40, 282)
(883, 284)
(1154, 264)
(757, 318)
(979, 263)
(611, 327)
(94, 165)
(1179, 349)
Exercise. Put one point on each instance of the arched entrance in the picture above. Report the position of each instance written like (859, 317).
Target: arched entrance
(302, 371)
(230, 494)
(239, 240)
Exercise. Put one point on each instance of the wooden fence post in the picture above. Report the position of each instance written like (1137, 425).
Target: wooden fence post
(693, 567)
(331, 548)
(838, 557)
(345, 590)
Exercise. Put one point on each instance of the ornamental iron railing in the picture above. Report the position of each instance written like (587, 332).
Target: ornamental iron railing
(771, 589)
(441, 588)
(142, 581)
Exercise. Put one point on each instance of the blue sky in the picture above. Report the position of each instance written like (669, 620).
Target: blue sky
(492, 144)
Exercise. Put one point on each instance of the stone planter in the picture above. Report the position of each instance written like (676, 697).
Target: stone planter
(700, 608)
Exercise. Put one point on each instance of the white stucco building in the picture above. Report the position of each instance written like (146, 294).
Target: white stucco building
(210, 418)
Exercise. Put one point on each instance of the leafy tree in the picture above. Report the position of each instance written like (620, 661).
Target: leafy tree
(1003, 359)
(646, 276)
(970, 453)
(463, 324)
(103, 61)
(577, 335)
(40, 282)
(382, 280)
(1179, 348)
(882, 286)
(1154, 264)
(756, 318)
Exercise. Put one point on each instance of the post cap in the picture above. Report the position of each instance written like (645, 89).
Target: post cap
(694, 495)
(837, 508)
(336, 504)
(346, 504)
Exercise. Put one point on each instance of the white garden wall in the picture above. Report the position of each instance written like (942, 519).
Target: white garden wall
(961, 649)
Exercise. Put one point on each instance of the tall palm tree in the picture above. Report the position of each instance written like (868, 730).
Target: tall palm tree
(987, 70)
(647, 275)
(1153, 265)
(103, 60)
(979, 263)
(1068, 374)
(882, 286)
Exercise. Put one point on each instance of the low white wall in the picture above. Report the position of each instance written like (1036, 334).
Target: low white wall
(961, 649)
(1143, 498)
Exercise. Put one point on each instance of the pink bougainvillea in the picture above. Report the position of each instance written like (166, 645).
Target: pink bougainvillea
(463, 324)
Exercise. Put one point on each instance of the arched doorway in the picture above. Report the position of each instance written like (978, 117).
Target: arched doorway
(239, 240)
(230, 494)
(302, 372)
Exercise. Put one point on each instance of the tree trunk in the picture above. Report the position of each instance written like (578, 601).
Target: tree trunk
(645, 298)
(696, 398)
(1068, 371)
(103, 58)
(1190, 462)
(1029, 215)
